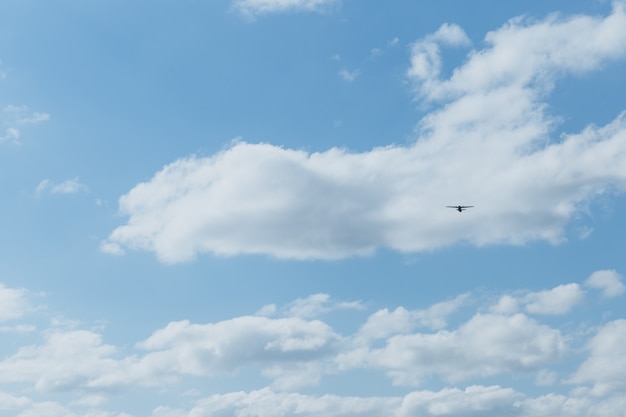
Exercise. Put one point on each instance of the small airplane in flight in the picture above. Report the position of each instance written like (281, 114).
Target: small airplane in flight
(460, 208)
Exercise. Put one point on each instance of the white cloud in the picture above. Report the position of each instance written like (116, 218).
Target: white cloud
(558, 300)
(473, 401)
(73, 186)
(258, 7)
(609, 281)
(65, 361)
(317, 304)
(349, 76)
(523, 55)
(484, 346)
(278, 345)
(10, 133)
(10, 402)
(507, 304)
(13, 117)
(13, 303)
(606, 365)
(267, 403)
(426, 55)
(22, 115)
(293, 352)
(249, 198)
(384, 323)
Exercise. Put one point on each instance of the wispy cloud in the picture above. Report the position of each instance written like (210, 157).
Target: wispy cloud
(15, 117)
(259, 7)
(73, 186)
(349, 76)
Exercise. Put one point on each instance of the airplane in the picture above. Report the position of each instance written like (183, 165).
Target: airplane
(460, 208)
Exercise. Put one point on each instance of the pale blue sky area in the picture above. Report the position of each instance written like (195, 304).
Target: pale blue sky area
(238, 208)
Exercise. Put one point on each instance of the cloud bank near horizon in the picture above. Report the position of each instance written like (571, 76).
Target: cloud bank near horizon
(463, 345)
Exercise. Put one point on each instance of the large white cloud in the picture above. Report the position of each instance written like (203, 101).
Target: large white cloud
(488, 144)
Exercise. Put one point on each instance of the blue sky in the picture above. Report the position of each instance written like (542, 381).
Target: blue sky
(237, 208)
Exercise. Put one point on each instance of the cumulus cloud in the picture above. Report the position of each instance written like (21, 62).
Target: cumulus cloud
(385, 323)
(66, 360)
(259, 7)
(225, 346)
(294, 352)
(486, 345)
(79, 360)
(288, 203)
(558, 300)
(609, 281)
(606, 366)
(73, 186)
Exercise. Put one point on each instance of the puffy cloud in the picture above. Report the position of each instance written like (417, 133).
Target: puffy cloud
(295, 352)
(507, 304)
(523, 54)
(558, 300)
(280, 346)
(73, 186)
(258, 7)
(485, 345)
(606, 365)
(384, 323)
(609, 281)
(290, 350)
(287, 203)
(66, 360)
